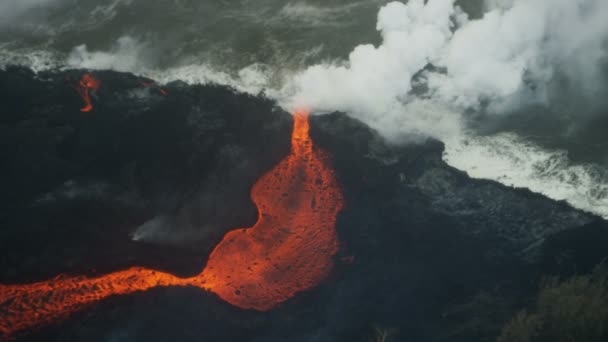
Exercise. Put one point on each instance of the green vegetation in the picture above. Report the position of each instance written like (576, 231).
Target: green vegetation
(575, 310)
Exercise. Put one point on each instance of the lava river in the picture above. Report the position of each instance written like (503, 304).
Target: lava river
(288, 250)
(86, 85)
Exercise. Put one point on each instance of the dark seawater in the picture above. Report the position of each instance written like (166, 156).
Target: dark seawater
(226, 34)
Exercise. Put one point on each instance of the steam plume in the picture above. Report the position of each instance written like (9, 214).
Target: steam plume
(433, 56)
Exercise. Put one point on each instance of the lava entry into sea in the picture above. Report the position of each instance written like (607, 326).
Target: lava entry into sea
(289, 249)
(86, 85)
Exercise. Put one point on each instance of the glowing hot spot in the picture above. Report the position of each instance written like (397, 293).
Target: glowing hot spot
(288, 250)
(87, 84)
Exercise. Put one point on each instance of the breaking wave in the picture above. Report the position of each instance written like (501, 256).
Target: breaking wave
(511, 160)
(125, 57)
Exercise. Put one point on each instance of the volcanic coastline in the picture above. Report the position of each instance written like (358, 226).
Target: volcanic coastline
(156, 179)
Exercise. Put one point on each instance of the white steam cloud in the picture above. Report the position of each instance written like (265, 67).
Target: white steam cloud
(435, 64)
(373, 84)
(125, 55)
(433, 55)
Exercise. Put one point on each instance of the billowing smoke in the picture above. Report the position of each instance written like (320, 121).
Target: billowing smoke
(435, 63)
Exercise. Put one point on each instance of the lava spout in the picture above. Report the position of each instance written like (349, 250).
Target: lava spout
(288, 250)
(87, 84)
(291, 246)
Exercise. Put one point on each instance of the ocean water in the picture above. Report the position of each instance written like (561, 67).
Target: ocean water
(559, 150)
(223, 35)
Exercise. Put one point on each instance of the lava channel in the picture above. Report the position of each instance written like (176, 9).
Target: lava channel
(87, 84)
(288, 250)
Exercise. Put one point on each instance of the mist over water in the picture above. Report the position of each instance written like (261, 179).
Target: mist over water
(515, 89)
(228, 35)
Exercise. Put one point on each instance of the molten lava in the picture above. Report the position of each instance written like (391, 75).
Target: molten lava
(149, 84)
(87, 84)
(288, 250)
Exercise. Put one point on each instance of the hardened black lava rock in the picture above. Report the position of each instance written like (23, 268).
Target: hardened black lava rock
(81, 189)
(155, 175)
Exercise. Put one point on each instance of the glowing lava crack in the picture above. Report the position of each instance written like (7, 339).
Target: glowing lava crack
(87, 84)
(288, 250)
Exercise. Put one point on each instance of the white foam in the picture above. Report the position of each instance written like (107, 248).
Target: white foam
(252, 79)
(513, 161)
(126, 56)
(35, 60)
(303, 13)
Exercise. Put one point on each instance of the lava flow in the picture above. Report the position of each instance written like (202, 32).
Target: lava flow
(288, 250)
(87, 84)
(149, 84)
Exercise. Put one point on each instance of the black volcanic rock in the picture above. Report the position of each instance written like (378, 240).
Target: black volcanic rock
(425, 235)
(517, 219)
(156, 180)
(78, 185)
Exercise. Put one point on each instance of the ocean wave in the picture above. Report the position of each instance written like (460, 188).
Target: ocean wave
(511, 160)
(126, 55)
(37, 60)
(304, 13)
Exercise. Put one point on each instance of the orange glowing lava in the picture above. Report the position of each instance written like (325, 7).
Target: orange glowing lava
(291, 246)
(148, 84)
(288, 250)
(87, 84)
